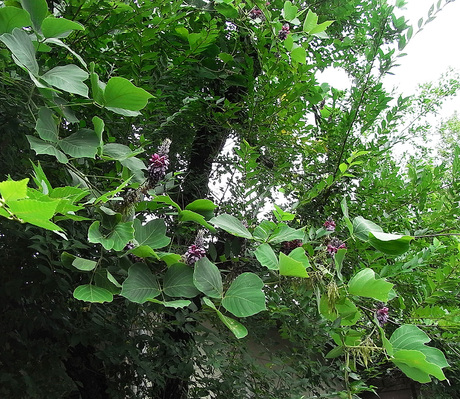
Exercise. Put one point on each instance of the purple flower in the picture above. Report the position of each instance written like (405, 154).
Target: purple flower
(329, 224)
(334, 245)
(288, 246)
(382, 314)
(284, 32)
(158, 164)
(256, 13)
(195, 251)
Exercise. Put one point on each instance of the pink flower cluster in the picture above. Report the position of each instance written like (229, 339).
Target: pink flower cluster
(334, 245)
(284, 32)
(382, 315)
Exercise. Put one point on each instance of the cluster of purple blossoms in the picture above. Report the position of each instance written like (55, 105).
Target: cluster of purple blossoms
(256, 13)
(195, 251)
(158, 163)
(382, 314)
(334, 245)
(284, 32)
(288, 246)
(329, 224)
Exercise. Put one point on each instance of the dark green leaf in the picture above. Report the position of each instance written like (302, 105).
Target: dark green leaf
(245, 296)
(91, 293)
(141, 285)
(207, 278)
(13, 17)
(178, 281)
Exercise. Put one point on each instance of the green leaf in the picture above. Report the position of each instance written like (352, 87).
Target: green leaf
(178, 281)
(365, 284)
(189, 216)
(59, 27)
(335, 352)
(291, 267)
(227, 10)
(299, 55)
(165, 199)
(169, 258)
(362, 227)
(42, 147)
(289, 11)
(84, 264)
(121, 93)
(180, 303)
(207, 278)
(245, 296)
(141, 285)
(115, 239)
(144, 251)
(46, 126)
(22, 49)
(415, 365)
(299, 255)
(13, 17)
(266, 256)
(82, 144)
(60, 43)
(68, 78)
(38, 9)
(99, 126)
(231, 225)
(285, 233)
(13, 190)
(152, 233)
(35, 212)
(310, 21)
(91, 293)
(238, 330)
(343, 308)
(320, 28)
(204, 207)
(391, 244)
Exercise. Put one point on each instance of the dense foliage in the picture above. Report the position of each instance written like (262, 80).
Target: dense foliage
(144, 147)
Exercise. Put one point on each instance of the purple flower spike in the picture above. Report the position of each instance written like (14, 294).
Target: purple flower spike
(158, 164)
(382, 314)
(284, 32)
(195, 251)
(334, 245)
(256, 13)
(329, 224)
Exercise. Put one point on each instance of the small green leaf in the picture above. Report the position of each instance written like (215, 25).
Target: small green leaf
(178, 281)
(335, 352)
(266, 256)
(365, 284)
(35, 212)
(82, 144)
(91, 293)
(13, 190)
(68, 78)
(46, 126)
(320, 28)
(207, 278)
(189, 216)
(310, 21)
(180, 303)
(152, 234)
(84, 264)
(238, 330)
(141, 285)
(289, 11)
(391, 244)
(231, 225)
(13, 17)
(299, 55)
(59, 27)
(285, 233)
(43, 147)
(204, 207)
(245, 296)
(291, 267)
(143, 251)
(115, 239)
(121, 93)
(22, 49)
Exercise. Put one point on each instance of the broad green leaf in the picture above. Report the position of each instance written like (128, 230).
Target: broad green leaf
(178, 281)
(289, 11)
(266, 256)
(227, 10)
(310, 22)
(35, 212)
(204, 207)
(143, 251)
(291, 267)
(13, 190)
(99, 126)
(189, 216)
(231, 225)
(4, 212)
(299, 55)
(320, 28)
(82, 144)
(101, 280)
(118, 151)
(338, 261)
(343, 308)
(141, 285)
(68, 78)
(84, 264)
(38, 9)
(365, 284)
(22, 48)
(169, 258)
(238, 330)
(91, 293)
(207, 278)
(245, 296)
(152, 234)
(46, 126)
(43, 147)
(59, 27)
(115, 239)
(264, 230)
(362, 227)
(335, 352)
(414, 364)
(391, 244)
(299, 255)
(121, 93)
(165, 199)
(13, 17)
(285, 233)
(180, 303)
